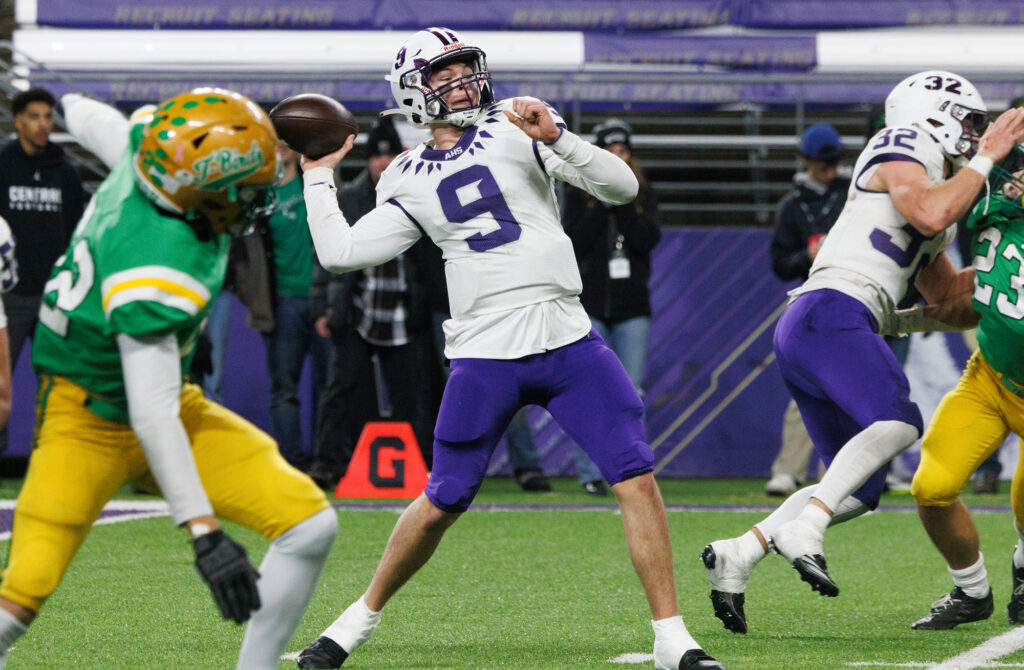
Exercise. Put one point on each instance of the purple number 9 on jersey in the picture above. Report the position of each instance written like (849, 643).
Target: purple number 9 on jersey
(490, 201)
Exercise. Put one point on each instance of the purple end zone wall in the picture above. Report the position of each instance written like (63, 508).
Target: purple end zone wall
(711, 383)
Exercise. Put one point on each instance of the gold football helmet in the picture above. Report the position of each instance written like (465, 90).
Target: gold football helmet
(208, 154)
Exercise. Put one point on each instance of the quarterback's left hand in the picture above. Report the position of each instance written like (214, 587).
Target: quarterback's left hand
(534, 119)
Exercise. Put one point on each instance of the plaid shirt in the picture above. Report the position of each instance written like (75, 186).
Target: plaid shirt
(378, 304)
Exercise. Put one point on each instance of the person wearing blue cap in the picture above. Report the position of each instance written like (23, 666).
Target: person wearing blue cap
(802, 220)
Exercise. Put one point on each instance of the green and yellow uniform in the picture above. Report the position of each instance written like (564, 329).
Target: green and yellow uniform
(974, 419)
(130, 269)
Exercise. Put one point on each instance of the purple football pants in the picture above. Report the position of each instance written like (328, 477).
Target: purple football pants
(842, 375)
(584, 387)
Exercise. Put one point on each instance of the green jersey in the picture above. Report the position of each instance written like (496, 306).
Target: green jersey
(998, 248)
(128, 269)
(293, 245)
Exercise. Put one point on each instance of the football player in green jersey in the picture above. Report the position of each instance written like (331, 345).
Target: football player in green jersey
(974, 419)
(119, 320)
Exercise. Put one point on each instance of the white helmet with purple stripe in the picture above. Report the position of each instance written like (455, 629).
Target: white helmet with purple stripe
(425, 53)
(944, 105)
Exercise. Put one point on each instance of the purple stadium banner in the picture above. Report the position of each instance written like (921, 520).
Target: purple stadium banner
(589, 15)
(387, 14)
(828, 14)
(753, 52)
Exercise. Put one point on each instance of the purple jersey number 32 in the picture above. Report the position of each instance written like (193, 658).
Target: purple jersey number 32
(490, 201)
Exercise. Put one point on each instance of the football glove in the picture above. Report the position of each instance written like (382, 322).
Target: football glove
(224, 567)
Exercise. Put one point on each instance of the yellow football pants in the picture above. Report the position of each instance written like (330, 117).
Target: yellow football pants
(80, 460)
(971, 422)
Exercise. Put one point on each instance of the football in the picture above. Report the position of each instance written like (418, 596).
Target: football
(312, 124)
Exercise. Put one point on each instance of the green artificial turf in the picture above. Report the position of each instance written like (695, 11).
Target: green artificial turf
(532, 588)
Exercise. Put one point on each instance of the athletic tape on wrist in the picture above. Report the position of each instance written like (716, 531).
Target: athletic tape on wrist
(981, 164)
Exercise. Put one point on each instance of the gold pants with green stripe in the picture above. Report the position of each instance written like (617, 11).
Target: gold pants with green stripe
(971, 422)
(80, 461)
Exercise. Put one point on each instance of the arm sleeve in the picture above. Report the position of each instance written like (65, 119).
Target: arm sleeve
(790, 259)
(152, 379)
(379, 236)
(97, 126)
(598, 172)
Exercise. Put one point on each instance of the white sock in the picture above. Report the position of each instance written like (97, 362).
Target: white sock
(860, 457)
(816, 517)
(972, 579)
(850, 508)
(750, 548)
(1018, 552)
(787, 511)
(355, 625)
(10, 630)
(288, 576)
(672, 640)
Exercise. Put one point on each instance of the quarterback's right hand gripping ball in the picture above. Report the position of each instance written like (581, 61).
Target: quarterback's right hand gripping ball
(224, 567)
(314, 125)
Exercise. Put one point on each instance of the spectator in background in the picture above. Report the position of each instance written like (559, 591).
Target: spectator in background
(613, 248)
(379, 312)
(802, 220)
(41, 198)
(272, 277)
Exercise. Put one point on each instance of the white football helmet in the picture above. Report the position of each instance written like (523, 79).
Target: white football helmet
(944, 105)
(424, 53)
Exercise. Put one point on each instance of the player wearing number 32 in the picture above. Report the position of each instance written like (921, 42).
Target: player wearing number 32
(909, 188)
(120, 316)
(483, 190)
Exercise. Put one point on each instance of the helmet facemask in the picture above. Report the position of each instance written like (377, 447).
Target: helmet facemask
(973, 123)
(1007, 177)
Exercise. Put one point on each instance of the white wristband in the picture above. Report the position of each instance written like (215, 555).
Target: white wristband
(981, 164)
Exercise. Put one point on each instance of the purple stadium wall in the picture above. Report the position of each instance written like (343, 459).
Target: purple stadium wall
(712, 289)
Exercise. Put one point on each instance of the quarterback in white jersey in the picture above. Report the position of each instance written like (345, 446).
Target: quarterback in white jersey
(907, 193)
(483, 191)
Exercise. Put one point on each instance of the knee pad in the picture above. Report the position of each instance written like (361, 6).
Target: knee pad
(310, 537)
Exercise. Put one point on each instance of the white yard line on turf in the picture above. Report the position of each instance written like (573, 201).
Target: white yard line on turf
(991, 649)
(930, 666)
(632, 658)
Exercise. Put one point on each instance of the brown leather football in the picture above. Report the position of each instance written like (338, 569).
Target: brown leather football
(312, 124)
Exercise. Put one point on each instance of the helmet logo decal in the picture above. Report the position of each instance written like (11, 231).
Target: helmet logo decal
(446, 36)
(230, 164)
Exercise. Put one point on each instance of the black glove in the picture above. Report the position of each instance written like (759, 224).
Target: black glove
(222, 564)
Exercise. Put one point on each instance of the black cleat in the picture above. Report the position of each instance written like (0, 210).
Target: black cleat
(729, 609)
(1016, 606)
(813, 570)
(322, 653)
(728, 606)
(954, 608)
(698, 659)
